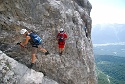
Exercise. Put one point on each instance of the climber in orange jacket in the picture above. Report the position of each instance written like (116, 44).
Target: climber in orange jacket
(61, 37)
(35, 41)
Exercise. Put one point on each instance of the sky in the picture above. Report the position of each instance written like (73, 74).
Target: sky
(108, 11)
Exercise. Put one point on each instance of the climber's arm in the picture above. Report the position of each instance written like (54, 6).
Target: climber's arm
(26, 41)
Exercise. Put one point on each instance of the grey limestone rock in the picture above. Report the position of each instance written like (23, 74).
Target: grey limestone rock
(46, 17)
(12, 72)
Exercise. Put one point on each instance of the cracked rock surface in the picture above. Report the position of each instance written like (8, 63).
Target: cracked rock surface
(12, 72)
(46, 17)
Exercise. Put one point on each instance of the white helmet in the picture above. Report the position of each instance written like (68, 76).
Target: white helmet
(22, 31)
(61, 29)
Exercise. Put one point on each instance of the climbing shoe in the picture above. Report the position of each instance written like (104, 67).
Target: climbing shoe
(60, 53)
(31, 65)
(46, 53)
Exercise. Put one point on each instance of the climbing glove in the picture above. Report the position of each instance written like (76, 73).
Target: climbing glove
(18, 43)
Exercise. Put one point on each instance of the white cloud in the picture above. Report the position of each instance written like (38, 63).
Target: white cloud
(107, 14)
(107, 44)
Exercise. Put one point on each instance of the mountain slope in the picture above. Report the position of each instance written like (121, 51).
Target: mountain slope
(112, 66)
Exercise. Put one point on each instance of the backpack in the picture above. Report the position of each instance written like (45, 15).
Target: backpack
(61, 38)
(35, 38)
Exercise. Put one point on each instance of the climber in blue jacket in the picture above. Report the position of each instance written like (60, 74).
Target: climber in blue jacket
(35, 41)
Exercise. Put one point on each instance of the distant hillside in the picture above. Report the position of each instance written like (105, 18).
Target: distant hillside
(110, 69)
(108, 33)
(115, 50)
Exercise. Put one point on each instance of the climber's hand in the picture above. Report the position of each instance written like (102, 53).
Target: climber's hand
(18, 43)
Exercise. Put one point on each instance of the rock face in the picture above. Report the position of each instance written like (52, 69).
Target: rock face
(12, 72)
(46, 17)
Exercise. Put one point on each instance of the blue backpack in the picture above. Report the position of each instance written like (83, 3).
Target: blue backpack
(35, 38)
